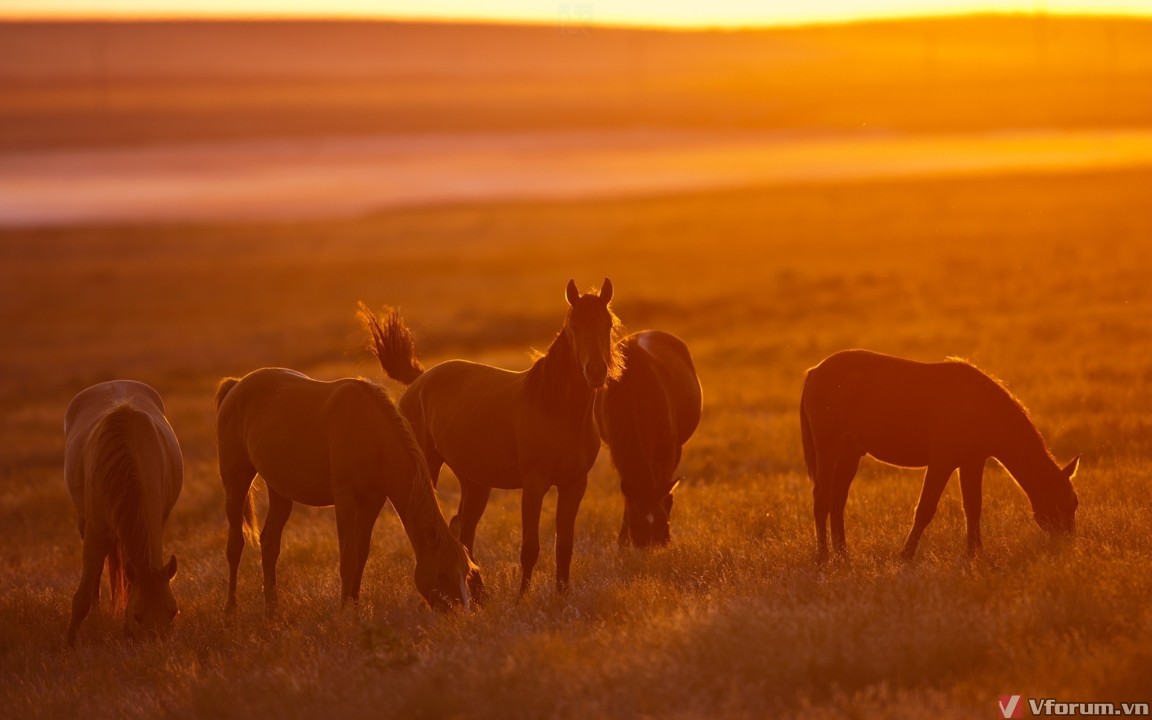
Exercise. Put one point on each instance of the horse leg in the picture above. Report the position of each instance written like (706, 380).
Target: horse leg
(365, 521)
(279, 508)
(531, 500)
(846, 468)
(567, 505)
(473, 500)
(624, 539)
(95, 550)
(823, 484)
(237, 478)
(934, 481)
(971, 487)
(346, 536)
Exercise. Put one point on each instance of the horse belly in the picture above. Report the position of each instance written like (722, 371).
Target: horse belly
(903, 438)
(300, 476)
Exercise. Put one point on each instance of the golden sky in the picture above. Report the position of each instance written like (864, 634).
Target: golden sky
(675, 13)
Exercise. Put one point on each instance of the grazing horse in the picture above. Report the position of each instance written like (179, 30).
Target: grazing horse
(502, 429)
(942, 416)
(124, 471)
(339, 443)
(646, 416)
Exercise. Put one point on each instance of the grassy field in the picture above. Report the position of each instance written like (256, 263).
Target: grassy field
(1042, 281)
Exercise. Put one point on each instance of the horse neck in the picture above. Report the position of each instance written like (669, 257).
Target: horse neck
(419, 510)
(557, 381)
(1024, 455)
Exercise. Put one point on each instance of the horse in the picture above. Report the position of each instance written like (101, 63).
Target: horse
(645, 417)
(943, 416)
(124, 472)
(340, 443)
(497, 428)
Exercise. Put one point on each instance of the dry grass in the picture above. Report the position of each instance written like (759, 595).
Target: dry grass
(1040, 280)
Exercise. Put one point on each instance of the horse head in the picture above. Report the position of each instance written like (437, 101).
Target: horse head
(590, 328)
(151, 606)
(1055, 510)
(447, 577)
(647, 517)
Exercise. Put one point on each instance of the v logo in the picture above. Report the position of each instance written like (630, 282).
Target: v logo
(1010, 706)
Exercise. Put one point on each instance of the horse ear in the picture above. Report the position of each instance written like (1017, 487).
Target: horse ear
(170, 568)
(1071, 468)
(571, 292)
(606, 291)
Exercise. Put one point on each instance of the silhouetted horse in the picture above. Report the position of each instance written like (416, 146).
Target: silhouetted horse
(502, 429)
(942, 416)
(339, 443)
(124, 471)
(646, 416)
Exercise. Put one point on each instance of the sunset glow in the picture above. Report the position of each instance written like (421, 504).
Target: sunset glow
(685, 13)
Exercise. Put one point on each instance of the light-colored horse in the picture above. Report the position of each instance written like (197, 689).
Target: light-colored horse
(339, 443)
(124, 471)
(942, 416)
(645, 417)
(502, 429)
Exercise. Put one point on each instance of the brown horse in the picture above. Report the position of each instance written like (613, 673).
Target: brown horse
(942, 416)
(646, 416)
(339, 443)
(124, 471)
(502, 429)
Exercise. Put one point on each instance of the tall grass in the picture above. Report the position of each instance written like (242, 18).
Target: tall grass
(1040, 280)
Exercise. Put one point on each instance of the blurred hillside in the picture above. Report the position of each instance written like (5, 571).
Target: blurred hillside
(87, 83)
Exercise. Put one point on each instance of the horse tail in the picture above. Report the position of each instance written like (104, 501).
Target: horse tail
(113, 469)
(806, 436)
(222, 389)
(117, 578)
(250, 526)
(393, 344)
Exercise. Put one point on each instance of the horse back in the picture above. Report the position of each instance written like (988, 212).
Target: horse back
(124, 418)
(901, 411)
(466, 414)
(676, 374)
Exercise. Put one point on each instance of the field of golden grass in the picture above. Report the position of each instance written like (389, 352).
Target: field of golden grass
(1040, 280)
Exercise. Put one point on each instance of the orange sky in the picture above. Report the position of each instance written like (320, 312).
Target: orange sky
(674, 13)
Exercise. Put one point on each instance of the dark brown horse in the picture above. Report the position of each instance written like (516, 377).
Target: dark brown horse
(942, 416)
(646, 416)
(502, 429)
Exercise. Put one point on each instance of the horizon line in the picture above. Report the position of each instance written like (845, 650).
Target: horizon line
(573, 23)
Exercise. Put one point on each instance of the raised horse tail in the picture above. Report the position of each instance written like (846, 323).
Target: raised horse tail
(806, 436)
(393, 344)
(222, 389)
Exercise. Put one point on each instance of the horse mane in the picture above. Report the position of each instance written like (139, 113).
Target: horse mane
(546, 385)
(425, 506)
(112, 462)
(1016, 408)
(634, 422)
